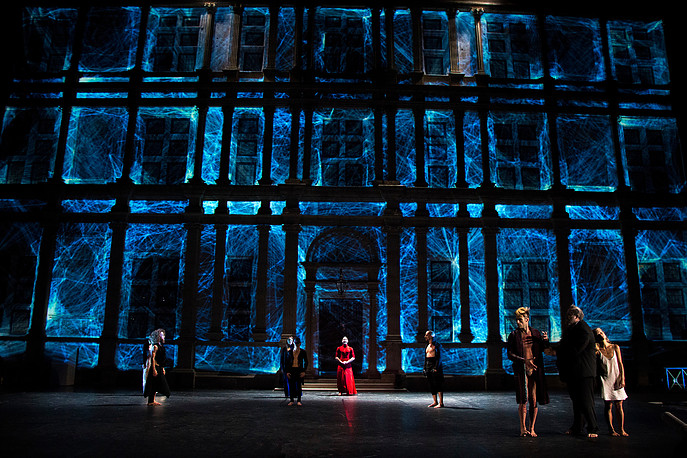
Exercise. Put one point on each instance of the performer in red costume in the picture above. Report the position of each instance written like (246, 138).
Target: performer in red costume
(344, 373)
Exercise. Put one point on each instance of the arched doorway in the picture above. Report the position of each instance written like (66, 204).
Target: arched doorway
(341, 283)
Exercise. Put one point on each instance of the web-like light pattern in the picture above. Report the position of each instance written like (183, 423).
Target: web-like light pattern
(56, 26)
(576, 50)
(403, 39)
(95, 145)
(212, 147)
(238, 359)
(661, 214)
(456, 361)
(100, 52)
(285, 37)
(79, 281)
(474, 174)
(638, 52)
(599, 280)
(478, 286)
(524, 211)
(587, 161)
(511, 46)
(592, 212)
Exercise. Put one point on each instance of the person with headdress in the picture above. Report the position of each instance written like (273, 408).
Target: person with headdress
(154, 373)
(525, 349)
(296, 365)
(612, 381)
(434, 370)
(345, 382)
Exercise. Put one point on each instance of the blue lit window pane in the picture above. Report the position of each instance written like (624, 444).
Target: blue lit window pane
(95, 145)
(435, 42)
(152, 278)
(237, 359)
(662, 264)
(478, 286)
(519, 151)
(528, 278)
(511, 46)
(67, 357)
(254, 27)
(575, 46)
(110, 39)
(586, 149)
(221, 39)
(344, 39)
(638, 52)
(598, 274)
(166, 147)
(440, 149)
(403, 39)
(651, 154)
(285, 36)
(173, 39)
(467, 50)
(79, 281)
(19, 247)
(29, 142)
(49, 35)
(212, 145)
(246, 146)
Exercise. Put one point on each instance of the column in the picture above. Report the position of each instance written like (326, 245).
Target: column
(453, 45)
(419, 115)
(237, 12)
(260, 330)
(477, 14)
(184, 371)
(417, 73)
(495, 369)
(561, 230)
(266, 178)
(290, 279)
(422, 318)
(107, 348)
(393, 296)
(225, 152)
(272, 43)
(217, 311)
(310, 319)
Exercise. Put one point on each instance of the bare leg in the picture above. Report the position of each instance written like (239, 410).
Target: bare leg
(522, 414)
(435, 403)
(441, 400)
(621, 414)
(532, 388)
(608, 413)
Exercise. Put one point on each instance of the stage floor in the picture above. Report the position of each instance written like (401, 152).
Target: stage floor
(372, 424)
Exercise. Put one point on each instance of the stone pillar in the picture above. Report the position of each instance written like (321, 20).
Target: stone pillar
(218, 280)
(260, 330)
(184, 372)
(107, 348)
(561, 230)
(310, 320)
(465, 335)
(393, 296)
(418, 54)
(419, 116)
(495, 369)
(477, 14)
(452, 42)
(290, 279)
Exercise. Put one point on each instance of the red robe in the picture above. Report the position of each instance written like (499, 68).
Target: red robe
(344, 373)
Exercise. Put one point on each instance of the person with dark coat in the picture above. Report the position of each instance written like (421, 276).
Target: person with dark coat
(154, 380)
(296, 365)
(525, 348)
(434, 370)
(577, 368)
(283, 365)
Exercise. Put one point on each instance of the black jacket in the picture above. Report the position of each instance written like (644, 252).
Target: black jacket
(577, 352)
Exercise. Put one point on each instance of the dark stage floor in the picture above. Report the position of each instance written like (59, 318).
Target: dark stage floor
(260, 424)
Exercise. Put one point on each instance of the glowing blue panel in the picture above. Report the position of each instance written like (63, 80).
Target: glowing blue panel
(651, 154)
(87, 206)
(587, 160)
(475, 210)
(662, 264)
(525, 211)
(19, 248)
(282, 144)
(246, 146)
(511, 46)
(440, 149)
(409, 292)
(285, 38)
(638, 52)
(474, 175)
(456, 361)
(221, 39)
(599, 280)
(592, 212)
(661, 214)
(72, 354)
(405, 148)
(79, 281)
(95, 145)
(478, 286)
(519, 151)
(110, 39)
(12, 350)
(237, 360)
(173, 39)
(435, 42)
(101, 95)
(443, 290)
(467, 49)
(52, 30)
(343, 42)
(528, 277)
(131, 356)
(212, 145)
(29, 143)
(21, 206)
(575, 48)
(166, 147)
(157, 206)
(343, 148)
(152, 279)
(442, 210)
(403, 39)
(243, 208)
(347, 208)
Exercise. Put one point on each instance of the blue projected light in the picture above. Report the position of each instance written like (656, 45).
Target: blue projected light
(56, 26)
(79, 281)
(576, 49)
(100, 52)
(456, 361)
(638, 52)
(95, 145)
(513, 31)
(599, 280)
(173, 39)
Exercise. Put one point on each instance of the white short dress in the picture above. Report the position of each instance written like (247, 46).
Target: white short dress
(607, 382)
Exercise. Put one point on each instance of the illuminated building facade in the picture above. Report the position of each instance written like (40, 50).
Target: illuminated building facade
(238, 173)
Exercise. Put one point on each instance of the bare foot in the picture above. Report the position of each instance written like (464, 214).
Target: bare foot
(613, 433)
(524, 433)
(438, 406)
(290, 403)
(433, 405)
(299, 403)
(592, 435)
(533, 434)
(623, 433)
(154, 403)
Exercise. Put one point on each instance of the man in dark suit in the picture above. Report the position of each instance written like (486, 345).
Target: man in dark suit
(577, 367)
(296, 364)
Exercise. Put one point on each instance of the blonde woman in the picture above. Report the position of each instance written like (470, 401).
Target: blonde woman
(612, 382)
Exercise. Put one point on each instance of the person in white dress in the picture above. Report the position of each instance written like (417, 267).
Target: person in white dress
(612, 382)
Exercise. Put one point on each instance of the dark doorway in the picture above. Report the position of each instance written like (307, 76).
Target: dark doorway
(339, 317)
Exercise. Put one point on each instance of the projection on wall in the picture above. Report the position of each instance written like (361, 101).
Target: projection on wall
(237, 327)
